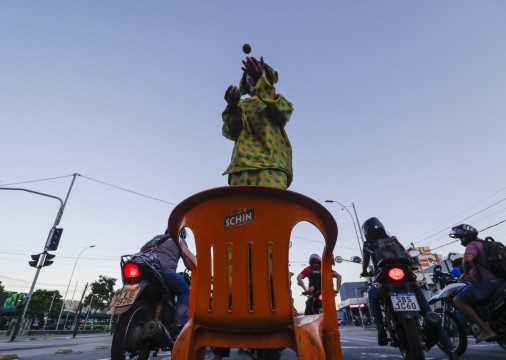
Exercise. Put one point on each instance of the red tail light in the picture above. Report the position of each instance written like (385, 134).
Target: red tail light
(320, 297)
(131, 271)
(396, 274)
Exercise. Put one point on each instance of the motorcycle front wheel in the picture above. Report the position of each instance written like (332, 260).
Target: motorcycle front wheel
(127, 342)
(456, 333)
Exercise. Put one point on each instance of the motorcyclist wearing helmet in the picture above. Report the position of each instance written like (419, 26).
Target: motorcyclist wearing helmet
(169, 254)
(373, 231)
(313, 273)
(483, 282)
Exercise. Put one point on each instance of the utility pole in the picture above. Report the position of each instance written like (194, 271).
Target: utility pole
(80, 307)
(89, 310)
(358, 223)
(44, 253)
(49, 311)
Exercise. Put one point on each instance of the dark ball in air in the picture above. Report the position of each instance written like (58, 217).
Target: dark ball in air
(246, 48)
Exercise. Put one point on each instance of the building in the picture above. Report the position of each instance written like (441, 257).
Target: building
(354, 300)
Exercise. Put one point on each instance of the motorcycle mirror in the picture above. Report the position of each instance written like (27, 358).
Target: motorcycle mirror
(338, 259)
(414, 253)
(356, 259)
(453, 256)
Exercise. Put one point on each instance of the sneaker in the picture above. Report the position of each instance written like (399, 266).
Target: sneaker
(382, 336)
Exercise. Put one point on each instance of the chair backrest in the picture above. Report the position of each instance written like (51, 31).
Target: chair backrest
(240, 275)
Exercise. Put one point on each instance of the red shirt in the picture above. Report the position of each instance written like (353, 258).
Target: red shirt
(306, 272)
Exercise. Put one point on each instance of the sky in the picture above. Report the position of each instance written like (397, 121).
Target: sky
(399, 110)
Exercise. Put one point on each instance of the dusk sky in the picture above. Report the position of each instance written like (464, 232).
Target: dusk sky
(399, 109)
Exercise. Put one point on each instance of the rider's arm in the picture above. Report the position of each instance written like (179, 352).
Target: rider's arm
(467, 265)
(186, 262)
(338, 278)
(300, 282)
(365, 262)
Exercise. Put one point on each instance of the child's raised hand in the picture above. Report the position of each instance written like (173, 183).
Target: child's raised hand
(232, 96)
(253, 67)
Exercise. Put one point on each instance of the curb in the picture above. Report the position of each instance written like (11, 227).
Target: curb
(9, 357)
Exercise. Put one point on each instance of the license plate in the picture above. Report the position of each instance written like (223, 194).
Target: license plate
(126, 296)
(404, 302)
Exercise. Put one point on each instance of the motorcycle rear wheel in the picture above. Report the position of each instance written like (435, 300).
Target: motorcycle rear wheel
(410, 343)
(125, 341)
(456, 333)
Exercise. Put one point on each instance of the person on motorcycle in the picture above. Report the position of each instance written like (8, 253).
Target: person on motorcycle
(313, 273)
(169, 255)
(483, 281)
(374, 230)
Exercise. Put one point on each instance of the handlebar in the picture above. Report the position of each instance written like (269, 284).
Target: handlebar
(367, 274)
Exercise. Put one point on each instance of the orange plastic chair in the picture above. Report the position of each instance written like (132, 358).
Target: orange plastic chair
(240, 294)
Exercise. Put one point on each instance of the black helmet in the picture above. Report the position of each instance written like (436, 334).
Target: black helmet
(314, 259)
(373, 229)
(466, 233)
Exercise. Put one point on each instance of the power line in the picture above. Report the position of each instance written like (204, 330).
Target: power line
(446, 229)
(127, 190)
(451, 242)
(462, 212)
(32, 181)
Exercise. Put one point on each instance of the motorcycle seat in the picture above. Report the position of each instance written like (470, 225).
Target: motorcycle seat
(500, 291)
(393, 262)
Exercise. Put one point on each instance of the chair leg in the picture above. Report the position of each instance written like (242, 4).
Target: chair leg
(183, 346)
(309, 344)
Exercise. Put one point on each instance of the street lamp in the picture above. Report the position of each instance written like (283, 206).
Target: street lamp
(66, 291)
(345, 207)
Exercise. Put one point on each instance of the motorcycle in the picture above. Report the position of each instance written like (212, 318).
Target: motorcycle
(493, 311)
(316, 301)
(407, 329)
(146, 308)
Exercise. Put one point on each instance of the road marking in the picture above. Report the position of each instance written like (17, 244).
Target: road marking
(358, 339)
(63, 351)
(9, 357)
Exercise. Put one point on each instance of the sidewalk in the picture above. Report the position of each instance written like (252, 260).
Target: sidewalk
(22, 342)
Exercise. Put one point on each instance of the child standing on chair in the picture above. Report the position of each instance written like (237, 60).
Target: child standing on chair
(262, 153)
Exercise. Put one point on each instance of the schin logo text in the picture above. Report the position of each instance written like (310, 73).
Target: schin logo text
(239, 217)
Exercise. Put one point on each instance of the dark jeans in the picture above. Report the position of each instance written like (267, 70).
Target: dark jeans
(180, 288)
(309, 307)
(374, 305)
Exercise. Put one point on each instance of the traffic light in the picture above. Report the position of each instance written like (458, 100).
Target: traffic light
(35, 261)
(48, 260)
(54, 238)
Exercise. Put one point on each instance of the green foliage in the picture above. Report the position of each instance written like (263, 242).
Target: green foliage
(102, 292)
(40, 303)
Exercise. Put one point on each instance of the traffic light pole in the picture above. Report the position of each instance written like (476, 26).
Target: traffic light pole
(44, 254)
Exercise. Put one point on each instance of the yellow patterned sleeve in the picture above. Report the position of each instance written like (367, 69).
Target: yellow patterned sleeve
(278, 107)
(232, 123)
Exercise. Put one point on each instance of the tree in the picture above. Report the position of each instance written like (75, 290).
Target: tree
(41, 302)
(1, 288)
(102, 292)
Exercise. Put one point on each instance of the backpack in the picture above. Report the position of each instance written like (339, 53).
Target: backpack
(315, 279)
(389, 248)
(496, 255)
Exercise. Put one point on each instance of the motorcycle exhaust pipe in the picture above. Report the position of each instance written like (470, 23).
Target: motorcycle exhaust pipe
(431, 329)
(156, 331)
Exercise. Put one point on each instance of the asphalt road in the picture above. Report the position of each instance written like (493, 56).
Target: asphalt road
(356, 343)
